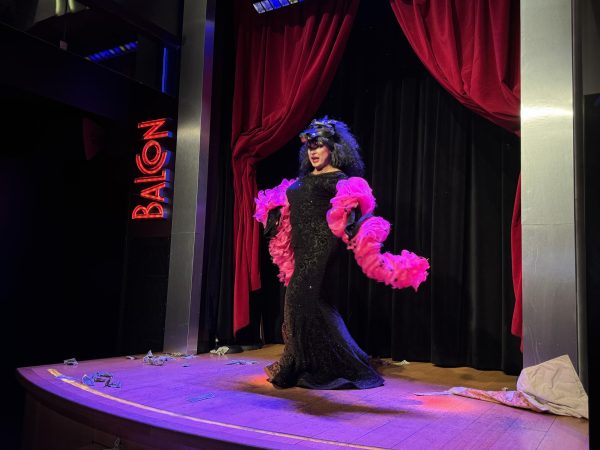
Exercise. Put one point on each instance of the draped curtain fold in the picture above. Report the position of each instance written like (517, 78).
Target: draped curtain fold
(472, 49)
(285, 63)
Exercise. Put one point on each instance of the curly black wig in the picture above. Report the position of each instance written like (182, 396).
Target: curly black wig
(335, 135)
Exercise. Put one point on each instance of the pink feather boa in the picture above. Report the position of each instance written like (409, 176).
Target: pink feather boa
(398, 271)
(280, 246)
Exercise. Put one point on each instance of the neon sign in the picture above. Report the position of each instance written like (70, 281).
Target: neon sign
(152, 164)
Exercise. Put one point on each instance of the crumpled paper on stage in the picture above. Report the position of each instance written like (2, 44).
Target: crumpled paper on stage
(220, 351)
(388, 363)
(106, 378)
(156, 360)
(180, 355)
(552, 386)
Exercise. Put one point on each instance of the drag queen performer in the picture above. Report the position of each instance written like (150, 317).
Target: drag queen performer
(308, 220)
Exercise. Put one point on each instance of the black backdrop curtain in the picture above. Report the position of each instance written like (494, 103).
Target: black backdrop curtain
(446, 179)
(443, 176)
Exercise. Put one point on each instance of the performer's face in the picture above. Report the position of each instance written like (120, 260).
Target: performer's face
(319, 156)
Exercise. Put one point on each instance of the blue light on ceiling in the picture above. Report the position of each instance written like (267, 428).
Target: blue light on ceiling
(113, 52)
(270, 5)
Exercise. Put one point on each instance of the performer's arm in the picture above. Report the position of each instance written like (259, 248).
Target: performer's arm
(272, 210)
(365, 237)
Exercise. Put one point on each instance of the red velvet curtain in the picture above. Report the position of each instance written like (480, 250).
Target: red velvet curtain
(472, 48)
(285, 63)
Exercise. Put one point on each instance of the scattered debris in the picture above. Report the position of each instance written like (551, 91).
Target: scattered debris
(220, 351)
(156, 360)
(389, 363)
(70, 362)
(400, 363)
(180, 355)
(101, 377)
(105, 378)
(201, 397)
(240, 362)
(131, 357)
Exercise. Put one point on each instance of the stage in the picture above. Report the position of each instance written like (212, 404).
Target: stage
(212, 401)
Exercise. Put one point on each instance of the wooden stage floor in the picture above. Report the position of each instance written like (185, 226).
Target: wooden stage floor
(208, 402)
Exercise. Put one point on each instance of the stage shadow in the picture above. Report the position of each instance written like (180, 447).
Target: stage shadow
(325, 403)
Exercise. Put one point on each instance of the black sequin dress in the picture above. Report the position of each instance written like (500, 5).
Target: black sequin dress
(319, 352)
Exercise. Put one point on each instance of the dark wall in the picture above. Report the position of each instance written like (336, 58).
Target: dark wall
(62, 231)
(17, 13)
(78, 278)
(164, 14)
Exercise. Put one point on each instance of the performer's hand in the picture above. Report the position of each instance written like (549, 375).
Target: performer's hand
(355, 220)
(272, 223)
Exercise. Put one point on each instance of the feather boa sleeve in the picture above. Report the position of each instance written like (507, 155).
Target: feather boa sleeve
(280, 246)
(399, 271)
